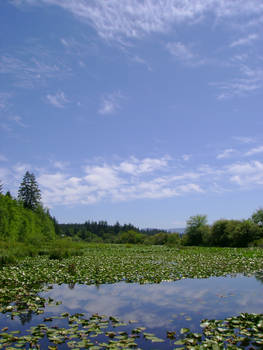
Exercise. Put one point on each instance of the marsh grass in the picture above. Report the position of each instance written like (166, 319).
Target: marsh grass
(11, 252)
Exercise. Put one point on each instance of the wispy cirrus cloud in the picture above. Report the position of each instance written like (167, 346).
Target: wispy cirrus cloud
(245, 139)
(140, 60)
(31, 65)
(226, 153)
(110, 103)
(254, 150)
(58, 100)
(60, 164)
(249, 79)
(4, 97)
(184, 54)
(18, 120)
(114, 20)
(8, 117)
(249, 39)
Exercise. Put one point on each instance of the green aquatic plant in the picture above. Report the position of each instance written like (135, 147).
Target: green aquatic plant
(21, 282)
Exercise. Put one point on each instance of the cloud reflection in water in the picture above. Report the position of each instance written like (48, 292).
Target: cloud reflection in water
(165, 304)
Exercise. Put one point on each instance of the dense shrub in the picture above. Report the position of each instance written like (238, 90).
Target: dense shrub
(24, 225)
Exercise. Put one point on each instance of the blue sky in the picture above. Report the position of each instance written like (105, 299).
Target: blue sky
(139, 111)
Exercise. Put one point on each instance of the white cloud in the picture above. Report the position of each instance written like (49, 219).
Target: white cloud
(255, 150)
(245, 41)
(180, 51)
(4, 97)
(103, 178)
(65, 42)
(142, 61)
(190, 188)
(135, 166)
(186, 157)
(62, 189)
(135, 179)
(58, 100)
(32, 72)
(18, 120)
(110, 103)
(184, 54)
(244, 139)
(226, 153)
(250, 80)
(246, 174)
(135, 18)
(127, 180)
(60, 165)
(20, 170)
(4, 175)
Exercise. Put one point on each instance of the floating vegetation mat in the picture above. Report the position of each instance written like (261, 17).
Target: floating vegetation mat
(21, 284)
(99, 332)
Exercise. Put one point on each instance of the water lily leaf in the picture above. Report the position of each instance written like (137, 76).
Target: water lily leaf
(184, 330)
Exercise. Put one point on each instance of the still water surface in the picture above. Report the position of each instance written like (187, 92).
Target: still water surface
(158, 307)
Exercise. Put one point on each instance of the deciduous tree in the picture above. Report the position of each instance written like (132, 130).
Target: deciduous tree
(196, 228)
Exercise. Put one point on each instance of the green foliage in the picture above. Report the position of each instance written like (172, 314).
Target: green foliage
(220, 232)
(234, 233)
(6, 258)
(196, 228)
(257, 217)
(20, 224)
(160, 238)
(65, 248)
(244, 233)
(256, 243)
(130, 236)
(8, 194)
(173, 239)
(101, 231)
(29, 193)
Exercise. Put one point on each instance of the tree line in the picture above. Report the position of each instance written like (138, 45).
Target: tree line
(25, 219)
(225, 233)
(101, 231)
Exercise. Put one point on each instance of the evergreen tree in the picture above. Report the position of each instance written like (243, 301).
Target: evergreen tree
(8, 194)
(29, 192)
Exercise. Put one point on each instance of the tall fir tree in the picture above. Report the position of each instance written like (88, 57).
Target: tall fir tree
(29, 192)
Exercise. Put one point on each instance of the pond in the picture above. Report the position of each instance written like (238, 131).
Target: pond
(168, 306)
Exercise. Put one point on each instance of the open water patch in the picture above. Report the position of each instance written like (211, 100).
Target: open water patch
(163, 305)
(146, 313)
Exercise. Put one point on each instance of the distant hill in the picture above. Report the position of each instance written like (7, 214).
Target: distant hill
(177, 229)
(169, 230)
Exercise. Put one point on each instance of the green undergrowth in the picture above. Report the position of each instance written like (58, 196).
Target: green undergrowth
(12, 252)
